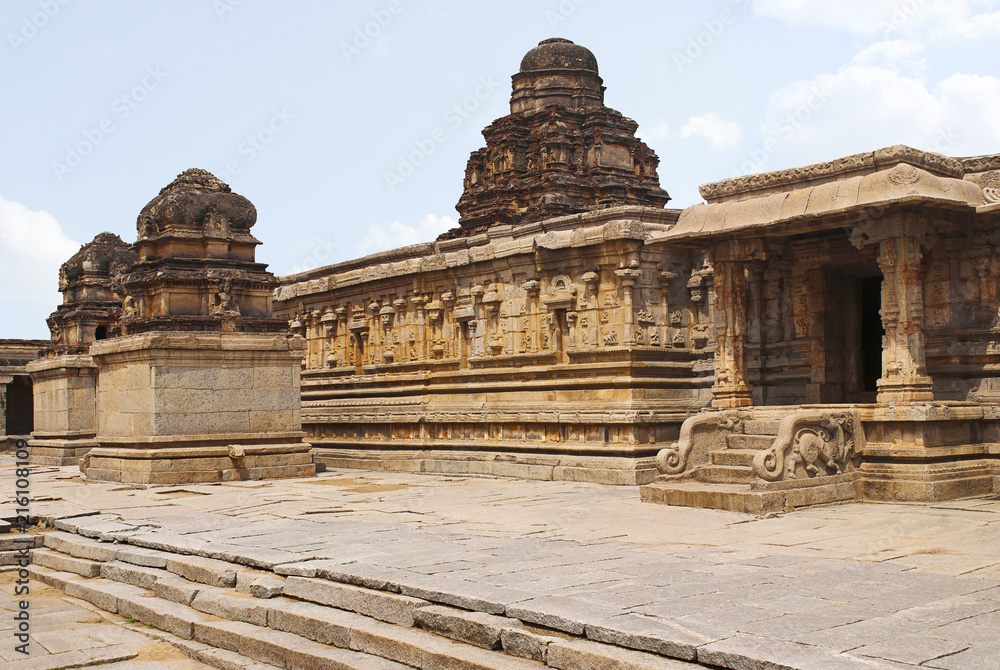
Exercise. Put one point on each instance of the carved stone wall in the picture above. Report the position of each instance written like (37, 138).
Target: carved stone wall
(545, 345)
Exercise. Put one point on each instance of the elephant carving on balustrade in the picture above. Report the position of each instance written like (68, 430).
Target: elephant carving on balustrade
(812, 443)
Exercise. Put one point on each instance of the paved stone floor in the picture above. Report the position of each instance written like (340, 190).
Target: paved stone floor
(909, 585)
(66, 632)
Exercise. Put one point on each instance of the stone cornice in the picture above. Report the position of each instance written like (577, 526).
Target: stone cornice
(756, 185)
(981, 163)
(576, 230)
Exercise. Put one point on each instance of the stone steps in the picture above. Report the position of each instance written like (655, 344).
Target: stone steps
(12, 546)
(733, 457)
(753, 442)
(724, 474)
(213, 609)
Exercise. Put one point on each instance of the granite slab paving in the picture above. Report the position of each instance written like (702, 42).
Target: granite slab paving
(846, 586)
(66, 632)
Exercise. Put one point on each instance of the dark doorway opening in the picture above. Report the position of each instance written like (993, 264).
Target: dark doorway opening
(100, 333)
(872, 333)
(20, 415)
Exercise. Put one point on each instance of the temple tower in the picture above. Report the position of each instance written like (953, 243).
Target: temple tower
(560, 150)
(204, 384)
(64, 379)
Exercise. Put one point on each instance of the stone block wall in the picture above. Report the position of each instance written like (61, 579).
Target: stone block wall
(159, 385)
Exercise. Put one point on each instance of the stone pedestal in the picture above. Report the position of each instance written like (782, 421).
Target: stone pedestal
(65, 404)
(198, 407)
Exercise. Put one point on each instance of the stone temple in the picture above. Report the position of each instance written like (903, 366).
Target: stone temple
(820, 334)
(811, 335)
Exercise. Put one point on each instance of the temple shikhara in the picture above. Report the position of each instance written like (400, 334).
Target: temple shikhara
(813, 335)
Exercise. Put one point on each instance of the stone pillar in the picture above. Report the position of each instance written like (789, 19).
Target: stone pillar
(4, 380)
(904, 368)
(732, 385)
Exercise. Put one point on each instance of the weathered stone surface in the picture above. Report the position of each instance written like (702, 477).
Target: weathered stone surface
(102, 593)
(584, 655)
(482, 630)
(526, 644)
(203, 570)
(79, 547)
(325, 625)
(232, 607)
(389, 607)
(176, 589)
(560, 613)
(283, 649)
(131, 574)
(168, 616)
(258, 585)
(150, 558)
(64, 563)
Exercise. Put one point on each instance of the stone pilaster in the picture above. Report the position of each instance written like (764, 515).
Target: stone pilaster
(904, 368)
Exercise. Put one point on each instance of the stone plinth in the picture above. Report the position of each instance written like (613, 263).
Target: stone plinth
(198, 407)
(65, 407)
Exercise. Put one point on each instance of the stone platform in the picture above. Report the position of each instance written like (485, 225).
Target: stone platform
(198, 407)
(582, 576)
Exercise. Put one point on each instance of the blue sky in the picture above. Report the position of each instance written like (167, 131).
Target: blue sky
(349, 124)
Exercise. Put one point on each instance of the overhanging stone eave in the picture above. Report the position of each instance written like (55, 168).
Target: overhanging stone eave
(810, 222)
(838, 169)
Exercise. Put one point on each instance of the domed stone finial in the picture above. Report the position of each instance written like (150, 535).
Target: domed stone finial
(557, 73)
(194, 196)
(557, 53)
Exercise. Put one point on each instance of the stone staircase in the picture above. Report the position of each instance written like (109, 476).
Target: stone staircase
(721, 476)
(298, 616)
(733, 465)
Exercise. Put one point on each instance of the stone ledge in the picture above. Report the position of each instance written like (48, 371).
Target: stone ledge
(195, 342)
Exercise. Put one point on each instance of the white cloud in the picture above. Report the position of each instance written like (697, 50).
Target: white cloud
(381, 237)
(32, 247)
(895, 55)
(722, 134)
(879, 99)
(931, 19)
